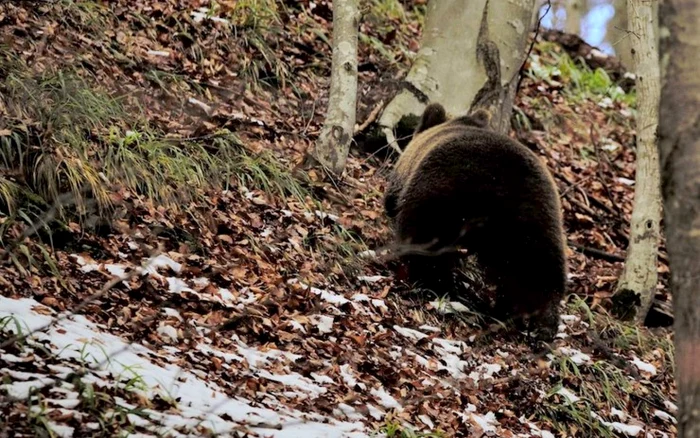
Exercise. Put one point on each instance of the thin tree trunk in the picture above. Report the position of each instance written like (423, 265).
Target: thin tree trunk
(333, 145)
(679, 148)
(640, 274)
(619, 35)
(574, 14)
(470, 57)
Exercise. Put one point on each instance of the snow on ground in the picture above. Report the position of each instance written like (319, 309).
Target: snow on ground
(199, 400)
(78, 339)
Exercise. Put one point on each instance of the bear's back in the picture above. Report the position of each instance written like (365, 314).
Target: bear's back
(457, 157)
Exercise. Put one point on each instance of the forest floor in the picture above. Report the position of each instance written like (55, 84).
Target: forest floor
(167, 270)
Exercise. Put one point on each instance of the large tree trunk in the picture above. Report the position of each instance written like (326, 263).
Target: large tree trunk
(333, 145)
(470, 57)
(679, 147)
(639, 277)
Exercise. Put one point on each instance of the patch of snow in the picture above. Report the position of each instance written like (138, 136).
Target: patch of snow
(324, 215)
(22, 389)
(575, 355)
(626, 181)
(569, 396)
(375, 412)
(176, 286)
(605, 102)
(204, 13)
(535, 430)
(371, 278)
(643, 366)
(201, 281)
(665, 416)
(570, 318)
(161, 261)
(485, 371)
(487, 422)
(446, 307)
(410, 333)
(297, 325)
(169, 311)
(256, 358)
(11, 358)
(350, 412)
(385, 399)
(167, 331)
(627, 429)
(115, 270)
(671, 406)
(621, 415)
(395, 352)
(429, 328)
(360, 297)
(450, 346)
(71, 403)
(294, 380)
(426, 420)
(61, 430)
(348, 377)
(199, 401)
(85, 266)
(322, 378)
(325, 295)
(379, 303)
(323, 323)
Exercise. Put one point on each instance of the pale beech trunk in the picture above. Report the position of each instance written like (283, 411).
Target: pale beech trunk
(679, 147)
(574, 13)
(470, 57)
(333, 145)
(619, 35)
(640, 274)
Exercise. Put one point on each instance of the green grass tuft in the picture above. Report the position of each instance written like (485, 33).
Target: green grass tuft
(63, 136)
(581, 82)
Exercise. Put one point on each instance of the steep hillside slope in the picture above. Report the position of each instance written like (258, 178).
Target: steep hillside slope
(195, 282)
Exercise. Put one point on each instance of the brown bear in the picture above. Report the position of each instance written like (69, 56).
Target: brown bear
(459, 185)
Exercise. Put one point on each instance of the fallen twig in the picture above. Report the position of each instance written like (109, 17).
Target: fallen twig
(370, 118)
(588, 251)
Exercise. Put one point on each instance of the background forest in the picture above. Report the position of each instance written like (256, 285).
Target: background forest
(188, 248)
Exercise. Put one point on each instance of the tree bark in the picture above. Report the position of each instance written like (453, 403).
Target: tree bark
(679, 149)
(574, 13)
(619, 35)
(640, 274)
(333, 145)
(470, 57)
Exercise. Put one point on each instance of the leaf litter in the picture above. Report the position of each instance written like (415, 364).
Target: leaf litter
(245, 320)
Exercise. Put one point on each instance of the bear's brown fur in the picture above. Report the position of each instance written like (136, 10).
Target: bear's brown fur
(459, 185)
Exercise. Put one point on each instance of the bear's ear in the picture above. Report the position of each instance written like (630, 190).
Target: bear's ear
(479, 118)
(433, 115)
